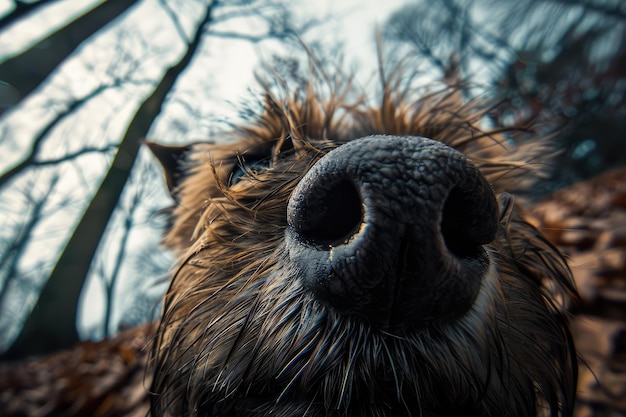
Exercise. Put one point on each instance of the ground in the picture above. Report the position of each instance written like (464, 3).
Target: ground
(588, 222)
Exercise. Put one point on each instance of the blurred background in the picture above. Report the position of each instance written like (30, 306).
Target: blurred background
(83, 82)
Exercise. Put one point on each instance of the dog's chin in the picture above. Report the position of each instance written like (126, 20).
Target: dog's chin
(259, 343)
(283, 353)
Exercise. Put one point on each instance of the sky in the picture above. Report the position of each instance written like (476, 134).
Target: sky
(215, 84)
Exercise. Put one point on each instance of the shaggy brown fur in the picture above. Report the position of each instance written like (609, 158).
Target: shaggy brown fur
(241, 337)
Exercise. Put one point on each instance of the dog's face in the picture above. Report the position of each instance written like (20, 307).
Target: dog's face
(344, 260)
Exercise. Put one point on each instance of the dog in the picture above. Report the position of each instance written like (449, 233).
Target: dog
(352, 255)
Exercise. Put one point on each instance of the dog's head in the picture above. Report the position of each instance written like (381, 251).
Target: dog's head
(344, 259)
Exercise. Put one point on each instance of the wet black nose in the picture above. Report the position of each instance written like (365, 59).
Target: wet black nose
(392, 229)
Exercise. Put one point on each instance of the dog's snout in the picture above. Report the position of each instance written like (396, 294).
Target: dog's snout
(392, 229)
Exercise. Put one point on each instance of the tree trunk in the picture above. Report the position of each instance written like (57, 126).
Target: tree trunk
(20, 10)
(28, 69)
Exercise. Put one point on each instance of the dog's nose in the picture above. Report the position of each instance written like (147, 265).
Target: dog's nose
(392, 229)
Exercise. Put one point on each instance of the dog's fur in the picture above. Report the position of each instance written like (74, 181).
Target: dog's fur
(240, 336)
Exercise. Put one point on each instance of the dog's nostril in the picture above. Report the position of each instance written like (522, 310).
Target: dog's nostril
(335, 216)
(461, 228)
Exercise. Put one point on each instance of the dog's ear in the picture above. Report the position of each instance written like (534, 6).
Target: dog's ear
(172, 160)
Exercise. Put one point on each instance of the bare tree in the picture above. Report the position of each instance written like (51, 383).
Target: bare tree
(32, 160)
(136, 207)
(569, 61)
(557, 61)
(13, 250)
(16, 241)
(59, 298)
